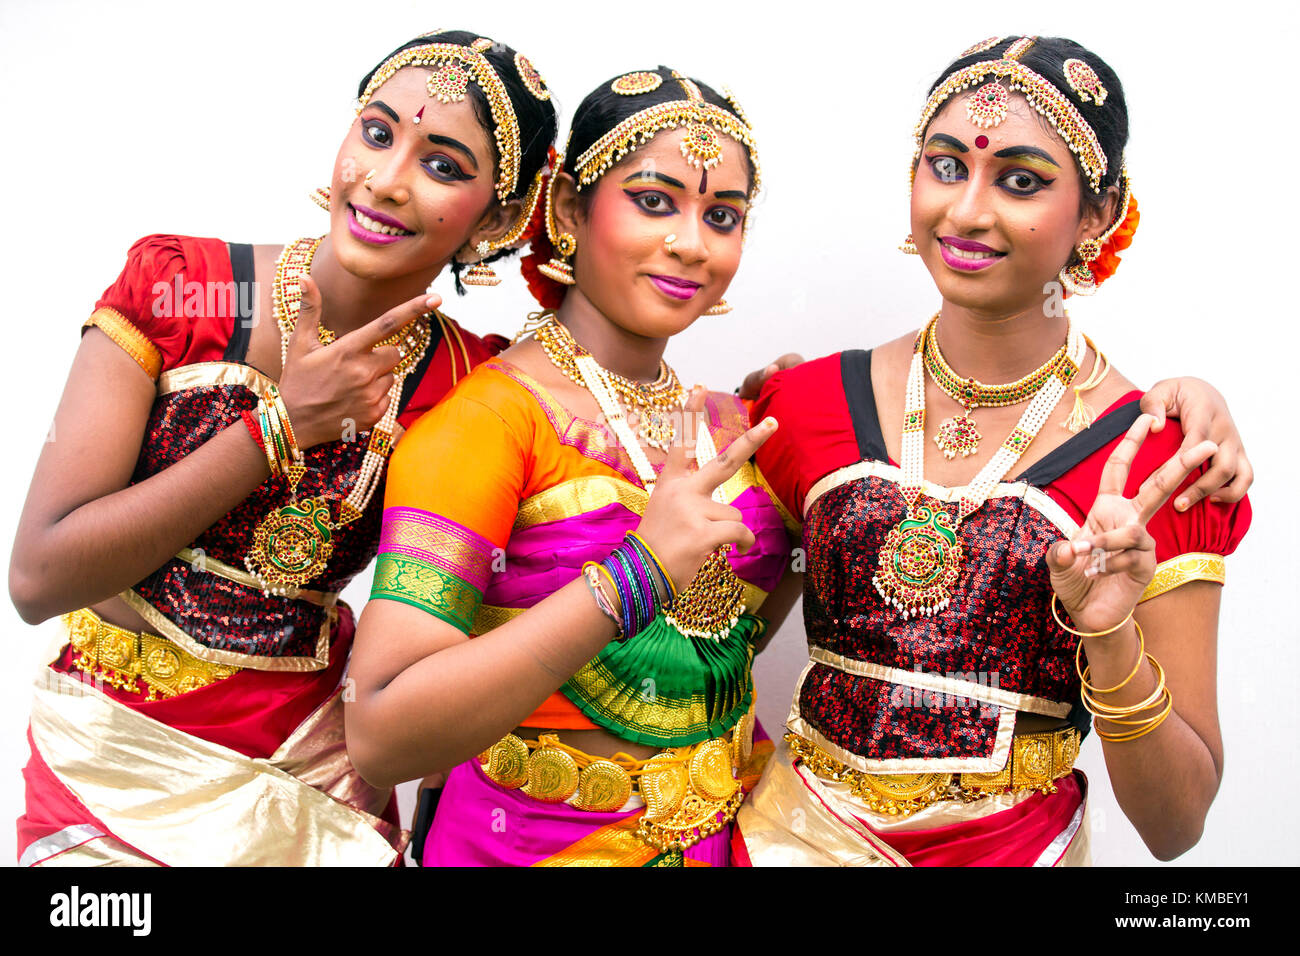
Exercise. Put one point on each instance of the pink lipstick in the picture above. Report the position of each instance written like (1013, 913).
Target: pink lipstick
(967, 255)
(374, 227)
(682, 289)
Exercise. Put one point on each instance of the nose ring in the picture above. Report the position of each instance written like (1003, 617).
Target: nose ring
(668, 242)
(369, 177)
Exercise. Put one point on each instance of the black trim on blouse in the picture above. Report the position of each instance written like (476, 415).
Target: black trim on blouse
(241, 270)
(855, 372)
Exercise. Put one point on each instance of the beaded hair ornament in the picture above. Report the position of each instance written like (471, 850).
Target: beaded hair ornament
(987, 107)
(703, 121)
(454, 68)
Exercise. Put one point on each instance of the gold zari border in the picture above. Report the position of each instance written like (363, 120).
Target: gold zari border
(203, 562)
(131, 340)
(1180, 570)
(303, 806)
(318, 662)
(213, 373)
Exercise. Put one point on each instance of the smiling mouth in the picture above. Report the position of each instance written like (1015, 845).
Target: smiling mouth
(967, 255)
(375, 226)
(677, 288)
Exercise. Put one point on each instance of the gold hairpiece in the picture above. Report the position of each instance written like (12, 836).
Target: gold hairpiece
(701, 146)
(1019, 48)
(532, 80)
(1084, 80)
(455, 66)
(979, 47)
(632, 84)
(987, 107)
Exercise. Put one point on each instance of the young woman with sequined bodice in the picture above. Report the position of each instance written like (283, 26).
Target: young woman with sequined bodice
(142, 513)
(939, 717)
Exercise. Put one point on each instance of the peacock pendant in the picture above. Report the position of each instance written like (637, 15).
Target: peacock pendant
(292, 544)
(920, 563)
(958, 436)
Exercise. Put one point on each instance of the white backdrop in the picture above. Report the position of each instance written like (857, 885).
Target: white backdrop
(216, 120)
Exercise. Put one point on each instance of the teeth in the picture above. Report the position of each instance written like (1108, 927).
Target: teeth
(968, 254)
(371, 226)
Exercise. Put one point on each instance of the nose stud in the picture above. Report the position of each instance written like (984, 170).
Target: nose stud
(668, 242)
(369, 178)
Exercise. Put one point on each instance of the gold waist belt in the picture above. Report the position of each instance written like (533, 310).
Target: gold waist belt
(689, 792)
(121, 658)
(1036, 761)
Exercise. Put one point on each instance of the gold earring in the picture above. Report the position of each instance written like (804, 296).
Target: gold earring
(668, 242)
(480, 273)
(321, 197)
(1078, 278)
(558, 267)
(721, 307)
(909, 246)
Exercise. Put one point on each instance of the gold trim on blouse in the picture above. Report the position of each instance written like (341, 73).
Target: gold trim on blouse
(1180, 570)
(131, 340)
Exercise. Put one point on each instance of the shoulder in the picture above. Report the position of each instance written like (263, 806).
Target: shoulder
(168, 286)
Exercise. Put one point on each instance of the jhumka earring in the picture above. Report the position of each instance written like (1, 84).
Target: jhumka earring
(558, 268)
(480, 273)
(1078, 278)
(321, 197)
(909, 246)
(719, 308)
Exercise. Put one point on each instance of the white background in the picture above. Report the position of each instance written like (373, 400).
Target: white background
(217, 119)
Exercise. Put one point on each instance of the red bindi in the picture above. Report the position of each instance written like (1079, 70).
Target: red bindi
(981, 141)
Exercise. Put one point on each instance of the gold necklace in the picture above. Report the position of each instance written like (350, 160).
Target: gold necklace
(656, 404)
(294, 543)
(958, 435)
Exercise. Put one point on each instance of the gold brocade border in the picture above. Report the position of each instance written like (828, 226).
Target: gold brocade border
(1035, 497)
(1193, 566)
(950, 686)
(615, 844)
(318, 662)
(579, 496)
(792, 524)
(489, 617)
(428, 587)
(140, 778)
(129, 338)
(211, 565)
(213, 373)
(994, 762)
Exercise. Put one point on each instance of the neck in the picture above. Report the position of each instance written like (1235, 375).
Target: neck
(350, 301)
(998, 347)
(614, 348)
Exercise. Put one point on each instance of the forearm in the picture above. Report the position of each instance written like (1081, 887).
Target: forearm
(450, 705)
(1165, 780)
(108, 544)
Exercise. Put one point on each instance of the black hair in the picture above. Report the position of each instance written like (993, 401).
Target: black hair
(603, 109)
(536, 118)
(1047, 57)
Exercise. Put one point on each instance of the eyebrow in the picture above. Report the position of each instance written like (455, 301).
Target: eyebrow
(454, 144)
(949, 141)
(381, 105)
(731, 194)
(643, 175)
(1026, 151)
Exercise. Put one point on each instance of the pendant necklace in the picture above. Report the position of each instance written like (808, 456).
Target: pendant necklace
(920, 561)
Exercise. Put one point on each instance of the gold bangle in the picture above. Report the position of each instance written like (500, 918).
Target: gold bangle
(1086, 633)
(1165, 694)
(1098, 709)
(672, 588)
(268, 438)
(1152, 723)
(282, 412)
(1142, 650)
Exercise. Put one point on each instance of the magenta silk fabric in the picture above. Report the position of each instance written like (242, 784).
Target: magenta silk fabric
(543, 558)
(481, 824)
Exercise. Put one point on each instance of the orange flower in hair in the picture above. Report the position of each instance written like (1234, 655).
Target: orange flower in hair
(1104, 266)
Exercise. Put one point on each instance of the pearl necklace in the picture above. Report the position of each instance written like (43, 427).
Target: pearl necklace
(293, 544)
(921, 559)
